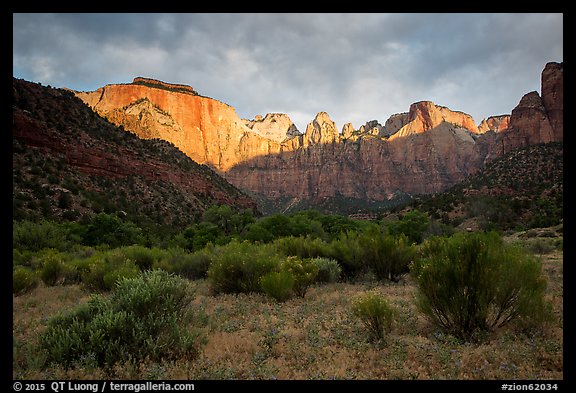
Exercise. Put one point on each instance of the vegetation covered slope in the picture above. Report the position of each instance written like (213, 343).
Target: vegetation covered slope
(69, 164)
(521, 190)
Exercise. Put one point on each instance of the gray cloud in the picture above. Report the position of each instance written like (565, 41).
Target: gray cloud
(356, 67)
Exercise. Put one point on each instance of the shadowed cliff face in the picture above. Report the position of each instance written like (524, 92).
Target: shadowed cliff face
(422, 151)
(368, 168)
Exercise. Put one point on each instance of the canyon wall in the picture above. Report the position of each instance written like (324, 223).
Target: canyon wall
(424, 150)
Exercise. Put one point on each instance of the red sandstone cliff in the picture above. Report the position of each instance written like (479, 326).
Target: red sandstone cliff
(55, 124)
(424, 150)
(536, 119)
(494, 123)
(207, 130)
(425, 115)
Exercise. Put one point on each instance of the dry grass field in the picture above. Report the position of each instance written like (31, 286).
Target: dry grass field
(317, 337)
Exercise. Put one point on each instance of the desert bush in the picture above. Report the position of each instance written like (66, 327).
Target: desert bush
(33, 236)
(349, 254)
(52, 268)
(278, 285)
(303, 247)
(23, 280)
(111, 230)
(143, 257)
(374, 312)
(104, 269)
(540, 245)
(238, 266)
(142, 319)
(388, 256)
(113, 276)
(474, 282)
(192, 266)
(328, 270)
(52, 271)
(304, 272)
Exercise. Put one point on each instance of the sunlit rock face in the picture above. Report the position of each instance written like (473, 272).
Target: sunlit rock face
(425, 115)
(274, 126)
(494, 123)
(58, 125)
(207, 130)
(425, 150)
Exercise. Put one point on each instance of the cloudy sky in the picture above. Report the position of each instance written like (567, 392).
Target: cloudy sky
(356, 67)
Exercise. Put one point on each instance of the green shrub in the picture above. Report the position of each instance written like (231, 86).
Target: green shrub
(304, 272)
(375, 313)
(237, 267)
(303, 247)
(413, 225)
(473, 282)
(111, 230)
(192, 266)
(33, 236)
(23, 258)
(142, 319)
(540, 245)
(104, 269)
(349, 254)
(278, 285)
(111, 277)
(51, 272)
(93, 275)
(328, 270)
(23, 280)
(52, 267)
(142, 257)
(388, 256)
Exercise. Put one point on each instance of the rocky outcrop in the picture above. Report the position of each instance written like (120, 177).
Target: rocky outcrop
(163, 85)
(347, 130)
(553, 97)
(208, 131)
(371, 127)
(275, 126)
(321, 130)
(395, 123)
(529, 124)
(424, 150)
(494, 123)
(425, 115)
(535, 119)
(58, 127)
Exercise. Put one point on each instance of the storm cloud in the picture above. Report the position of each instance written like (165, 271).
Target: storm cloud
(357, 67)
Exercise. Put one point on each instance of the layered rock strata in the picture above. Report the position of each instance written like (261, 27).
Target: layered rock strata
(424, 150)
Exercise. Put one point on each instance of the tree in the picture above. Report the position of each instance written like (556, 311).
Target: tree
(109, 229)
(413, 224)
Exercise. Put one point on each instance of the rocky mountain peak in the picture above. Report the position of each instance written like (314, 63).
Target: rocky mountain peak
(394, 123)
(531, 100)
(425, 115)
(536, 119)
(347, 130)
(371, 127)
(321, 130)
(275, 126)
(552, 88)
(494, 123)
